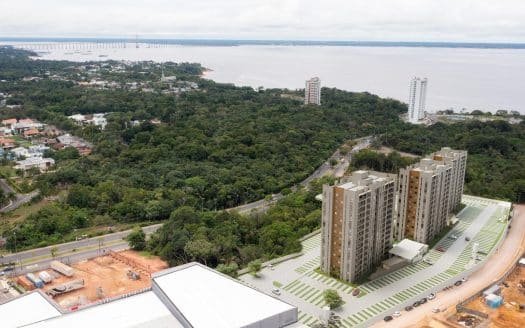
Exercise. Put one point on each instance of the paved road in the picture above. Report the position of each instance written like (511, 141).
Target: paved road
(72, 257)
(338, 171)
(19, 200)
(495, 267)
(80, 248)
(286, 273)
(43, 255)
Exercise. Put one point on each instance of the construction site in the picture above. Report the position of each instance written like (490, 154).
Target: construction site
(112, 275)
(511, 312)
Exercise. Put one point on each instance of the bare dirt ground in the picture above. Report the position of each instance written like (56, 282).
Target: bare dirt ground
(109, 274)
(387, 150)
(507, 315)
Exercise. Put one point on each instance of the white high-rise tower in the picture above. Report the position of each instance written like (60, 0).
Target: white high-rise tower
(417, 99)
(312, 91)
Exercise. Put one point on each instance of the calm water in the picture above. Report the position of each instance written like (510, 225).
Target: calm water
(486, 79)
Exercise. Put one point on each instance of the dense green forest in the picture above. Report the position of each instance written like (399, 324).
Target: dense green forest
(496, 153)
(372, 160)
(218, 147)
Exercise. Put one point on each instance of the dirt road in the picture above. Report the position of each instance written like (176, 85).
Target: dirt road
(508, 254)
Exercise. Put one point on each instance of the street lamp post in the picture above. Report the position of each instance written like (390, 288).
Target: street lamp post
(14, 234)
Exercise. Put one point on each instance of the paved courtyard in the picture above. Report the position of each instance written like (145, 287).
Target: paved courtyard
(300, 282)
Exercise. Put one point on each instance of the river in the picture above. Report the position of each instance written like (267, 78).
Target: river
(485, 79)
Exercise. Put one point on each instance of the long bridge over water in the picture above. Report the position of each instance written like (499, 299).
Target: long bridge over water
(86, 45)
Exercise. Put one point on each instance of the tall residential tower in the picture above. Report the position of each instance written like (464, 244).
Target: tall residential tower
(428, 192)
(417, 99)
(357, 220)
(312, 91)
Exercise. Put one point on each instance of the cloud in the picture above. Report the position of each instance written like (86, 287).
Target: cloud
(410, 20)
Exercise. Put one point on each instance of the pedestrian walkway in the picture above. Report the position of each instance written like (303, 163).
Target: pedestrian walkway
(307, 319)
(310, 265)
(484, 222)
(311, 243)
(306, 292)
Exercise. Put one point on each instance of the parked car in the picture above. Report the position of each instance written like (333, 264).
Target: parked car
(431, 296)
(396, 314)
(276, 291)
(505, 284)
(423, 300)
(436, 310)
(409, 308)
(463, 279)
(388, 318)
(458, 283)
(356, 292)
(440, 249)
(416, 304)
(467, 238)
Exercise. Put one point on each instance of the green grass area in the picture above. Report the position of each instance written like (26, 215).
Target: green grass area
(21, 141)
(20, 214)
(277, 284)
(321, 272)
(146, 254)
(440, 236)
(7, 171)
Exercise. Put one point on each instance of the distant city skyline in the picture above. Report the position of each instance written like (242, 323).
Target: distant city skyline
(397, 20)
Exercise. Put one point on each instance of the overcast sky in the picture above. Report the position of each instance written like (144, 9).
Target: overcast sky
(390, 20)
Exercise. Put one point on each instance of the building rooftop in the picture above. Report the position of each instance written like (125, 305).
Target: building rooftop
(27, 309)
(407, 249)
(144, 310)
(206, 298)
(361, 179)
(190, 295)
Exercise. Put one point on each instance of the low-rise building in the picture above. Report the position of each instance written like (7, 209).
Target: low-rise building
(409, 250)
(187, 296)
(43, 164)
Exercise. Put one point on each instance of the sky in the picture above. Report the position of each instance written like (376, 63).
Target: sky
(380, 20)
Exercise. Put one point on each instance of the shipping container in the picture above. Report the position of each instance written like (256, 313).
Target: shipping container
(46, 277)
(62, 268)
(494, 301)
(26, 284)
(35, 280)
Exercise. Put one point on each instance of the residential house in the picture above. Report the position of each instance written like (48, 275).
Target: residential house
(43, 164)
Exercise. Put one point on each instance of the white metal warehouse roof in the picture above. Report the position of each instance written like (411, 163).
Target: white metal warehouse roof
(25, 310)
(209, 299)
(143, 310)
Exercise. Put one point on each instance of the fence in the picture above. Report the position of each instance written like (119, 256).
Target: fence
(460, 308)
(480, 292)
(130, 262)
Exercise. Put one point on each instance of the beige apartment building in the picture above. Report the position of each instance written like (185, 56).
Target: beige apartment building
(458, 160)
(428, 192)
(357, 223)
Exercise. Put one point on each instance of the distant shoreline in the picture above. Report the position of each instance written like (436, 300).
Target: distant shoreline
(231, 43)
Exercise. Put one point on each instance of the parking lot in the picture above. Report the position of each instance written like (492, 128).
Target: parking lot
(483, 221)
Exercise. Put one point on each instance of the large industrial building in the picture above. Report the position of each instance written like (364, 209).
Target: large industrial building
(188, 296)
(312, 91)
(357, 220)
(417, 99)
(428, 192)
